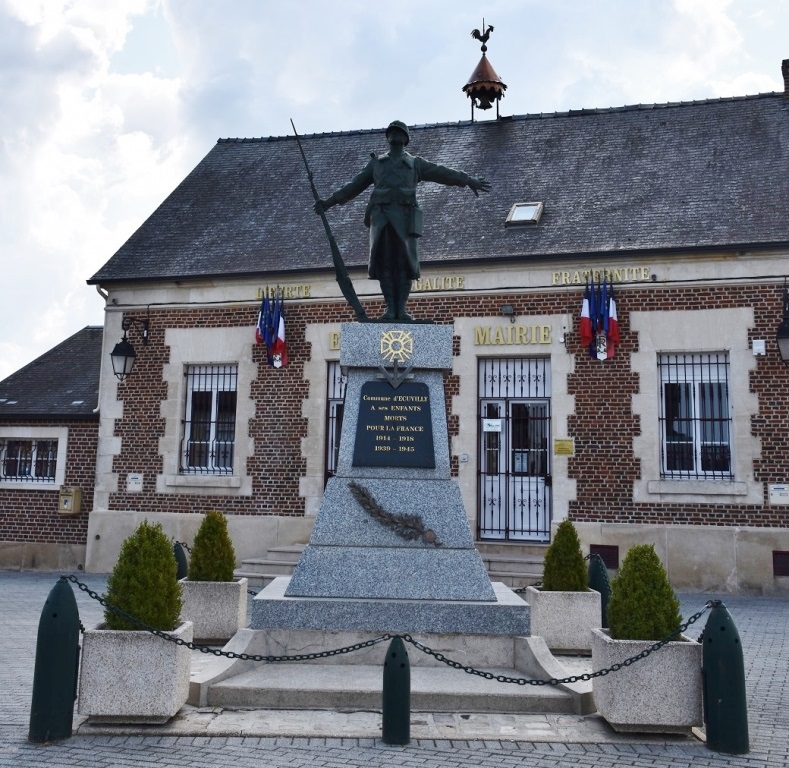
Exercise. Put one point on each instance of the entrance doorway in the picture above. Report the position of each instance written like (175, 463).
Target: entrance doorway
(514, 457)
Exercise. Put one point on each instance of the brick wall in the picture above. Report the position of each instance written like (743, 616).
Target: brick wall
(603, 425)
(31, 515)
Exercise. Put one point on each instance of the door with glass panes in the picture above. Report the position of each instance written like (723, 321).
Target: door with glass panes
(514, 456)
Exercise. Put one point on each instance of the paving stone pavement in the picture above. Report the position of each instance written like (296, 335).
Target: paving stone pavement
(490, 741)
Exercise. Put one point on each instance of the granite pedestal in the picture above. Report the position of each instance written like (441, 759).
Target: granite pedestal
(404, 559)
(391, 551)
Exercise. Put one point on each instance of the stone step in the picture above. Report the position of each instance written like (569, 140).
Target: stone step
(267, 565)
(256, 580)
(288, 554)
(278, 561)
(433, 689)
(517, 580)
(511, 548)
(511, 565)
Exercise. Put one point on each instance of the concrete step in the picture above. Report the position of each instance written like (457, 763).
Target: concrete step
(278, 561)
(340, 687)
(511, 548)
(288, 554)
(267, 565)
(256, 580)
(517, 580)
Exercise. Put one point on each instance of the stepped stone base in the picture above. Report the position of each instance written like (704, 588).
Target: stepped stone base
(508, 615)
(353, 681)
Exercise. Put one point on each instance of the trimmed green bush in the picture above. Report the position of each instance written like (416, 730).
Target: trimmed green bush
(643, 604)
(213, 557)
(143, 582)
(565, 569)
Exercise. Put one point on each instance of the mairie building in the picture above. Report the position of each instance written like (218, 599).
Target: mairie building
(677, 434)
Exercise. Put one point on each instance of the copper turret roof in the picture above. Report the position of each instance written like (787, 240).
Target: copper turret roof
(484, 76)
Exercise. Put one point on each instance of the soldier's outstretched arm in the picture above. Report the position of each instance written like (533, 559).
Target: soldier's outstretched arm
(354, 187)
(479, 185)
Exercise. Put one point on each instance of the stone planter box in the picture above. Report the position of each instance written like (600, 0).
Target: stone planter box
(133, 676)
(659, 694)
(564, 619)
(217, 609)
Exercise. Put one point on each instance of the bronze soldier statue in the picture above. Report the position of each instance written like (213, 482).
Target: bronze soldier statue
(394, 216)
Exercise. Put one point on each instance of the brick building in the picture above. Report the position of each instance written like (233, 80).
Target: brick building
(680, 438)
(49, 428)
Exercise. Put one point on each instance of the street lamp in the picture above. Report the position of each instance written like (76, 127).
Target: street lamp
(123, 355)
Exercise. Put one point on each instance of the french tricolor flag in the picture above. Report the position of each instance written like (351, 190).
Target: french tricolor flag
(612, 332)
(585, 321)
(279, 349)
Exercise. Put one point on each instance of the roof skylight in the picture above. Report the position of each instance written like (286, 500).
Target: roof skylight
(524, 213)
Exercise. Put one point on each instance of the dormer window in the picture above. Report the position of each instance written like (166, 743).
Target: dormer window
(524, 213)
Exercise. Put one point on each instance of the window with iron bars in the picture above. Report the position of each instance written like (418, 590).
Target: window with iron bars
(335, 404)
(33, 461)
(209, 427)
(695, 416)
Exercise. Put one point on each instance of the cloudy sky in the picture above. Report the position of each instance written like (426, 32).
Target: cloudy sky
(105, 105)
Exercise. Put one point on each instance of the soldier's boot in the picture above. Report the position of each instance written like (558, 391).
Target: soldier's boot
(387, 289)
(403, 289)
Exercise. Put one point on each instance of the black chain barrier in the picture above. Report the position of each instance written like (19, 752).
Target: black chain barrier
(383, 638)
(217, 651)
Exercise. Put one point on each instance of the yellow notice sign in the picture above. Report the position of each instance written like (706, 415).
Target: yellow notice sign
(563, 446)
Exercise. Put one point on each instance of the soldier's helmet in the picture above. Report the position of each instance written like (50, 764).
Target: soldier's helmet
(400, 126)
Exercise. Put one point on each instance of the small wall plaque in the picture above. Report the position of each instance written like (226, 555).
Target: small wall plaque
(134, 482)
(564, 446)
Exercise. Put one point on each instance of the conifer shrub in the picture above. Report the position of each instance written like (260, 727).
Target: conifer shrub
(643, 604)
(143, 582)
(213, 557)
(565, 569)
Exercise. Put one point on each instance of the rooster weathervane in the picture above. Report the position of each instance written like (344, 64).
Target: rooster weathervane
(482, 36)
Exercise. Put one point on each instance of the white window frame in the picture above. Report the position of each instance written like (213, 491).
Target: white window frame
(696, 370)
(213, 379)
(58, 435)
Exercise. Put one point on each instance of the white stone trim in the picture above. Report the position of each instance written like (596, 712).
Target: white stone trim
(23, 432)
(464, 404)
(206, 346)
(694, 331)
(313, 409)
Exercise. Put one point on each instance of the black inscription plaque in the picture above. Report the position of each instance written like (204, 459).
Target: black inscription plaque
(394, 427)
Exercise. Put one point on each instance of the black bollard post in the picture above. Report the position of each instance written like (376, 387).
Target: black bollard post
(57, 661)
(599, 581)
(180, 560)
(396, 727)
(723, 675)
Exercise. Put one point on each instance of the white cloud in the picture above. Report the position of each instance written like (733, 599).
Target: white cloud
(105, 106)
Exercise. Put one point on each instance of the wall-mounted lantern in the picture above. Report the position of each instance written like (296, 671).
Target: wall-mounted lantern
(123, 355)
(508, 311)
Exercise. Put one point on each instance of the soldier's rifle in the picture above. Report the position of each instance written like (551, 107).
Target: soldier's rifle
(341, 272)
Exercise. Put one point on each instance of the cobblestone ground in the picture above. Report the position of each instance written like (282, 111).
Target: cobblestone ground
(762, 623)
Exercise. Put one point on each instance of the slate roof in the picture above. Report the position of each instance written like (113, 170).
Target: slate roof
(671, 177)
(62, 383)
